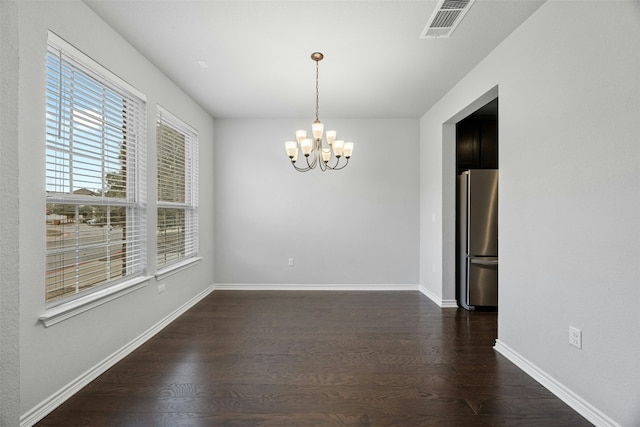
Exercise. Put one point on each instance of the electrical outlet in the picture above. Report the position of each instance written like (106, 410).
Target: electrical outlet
(161, 287)
(290, 262)
(575, 337)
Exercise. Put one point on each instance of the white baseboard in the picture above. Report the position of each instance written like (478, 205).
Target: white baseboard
(581, 406)
(442, 303)
(52, 402)
(315, 287)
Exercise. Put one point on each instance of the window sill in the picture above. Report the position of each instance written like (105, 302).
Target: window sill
(176, 268)
(77, 306)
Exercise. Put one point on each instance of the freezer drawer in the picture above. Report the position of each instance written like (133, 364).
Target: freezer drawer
(482, 286)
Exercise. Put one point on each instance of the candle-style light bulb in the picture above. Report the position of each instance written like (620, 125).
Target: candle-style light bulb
(306, 146)
(338, 146)
(331, 136)
(301, 135)
(292, 148)
(317, 128)
(348, 149)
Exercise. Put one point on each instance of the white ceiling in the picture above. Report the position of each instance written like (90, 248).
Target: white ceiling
(258, 52)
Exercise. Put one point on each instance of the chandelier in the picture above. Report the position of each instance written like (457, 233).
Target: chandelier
(314, 151)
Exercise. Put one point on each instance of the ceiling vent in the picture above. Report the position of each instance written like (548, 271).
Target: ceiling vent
(446, 18)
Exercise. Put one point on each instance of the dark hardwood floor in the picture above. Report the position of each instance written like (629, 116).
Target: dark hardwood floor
(318, 359)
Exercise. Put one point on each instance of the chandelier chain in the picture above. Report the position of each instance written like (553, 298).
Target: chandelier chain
(317, 85)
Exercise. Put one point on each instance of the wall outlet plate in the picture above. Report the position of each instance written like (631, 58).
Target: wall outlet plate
(575, 337)
(161, 287)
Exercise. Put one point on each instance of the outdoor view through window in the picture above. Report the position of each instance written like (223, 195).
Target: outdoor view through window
(94, 182)
(177, 189)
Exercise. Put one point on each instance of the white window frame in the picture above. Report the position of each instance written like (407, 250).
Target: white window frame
(60, 186)
(190, 245)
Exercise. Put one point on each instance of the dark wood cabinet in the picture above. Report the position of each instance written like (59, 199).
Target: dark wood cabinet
(477, 143)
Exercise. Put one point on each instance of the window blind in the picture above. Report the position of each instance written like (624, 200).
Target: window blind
(177, 192)
(95, 175)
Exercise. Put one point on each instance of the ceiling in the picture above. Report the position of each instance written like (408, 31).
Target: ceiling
(258, 52)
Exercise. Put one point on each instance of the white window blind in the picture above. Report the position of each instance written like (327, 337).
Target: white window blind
(177, 145)
(95, 175)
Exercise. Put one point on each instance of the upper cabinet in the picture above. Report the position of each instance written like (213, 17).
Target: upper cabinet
(477, 141)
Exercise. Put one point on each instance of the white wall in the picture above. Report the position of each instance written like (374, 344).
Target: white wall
(569, 92)
(9, 289)
(357, 226)
(50, 358)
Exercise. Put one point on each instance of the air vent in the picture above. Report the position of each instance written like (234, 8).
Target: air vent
(446, 18)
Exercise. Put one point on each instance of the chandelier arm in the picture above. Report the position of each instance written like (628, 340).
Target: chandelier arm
(343, 166)
(323, 165)
(328, 166)
(337, 159)
(299, 169)
(318, 153)
(336, 168)
(312, 165)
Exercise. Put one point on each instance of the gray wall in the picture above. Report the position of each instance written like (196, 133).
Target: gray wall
(354, 227)
(9, 275)
(50, 358)
(569, 196)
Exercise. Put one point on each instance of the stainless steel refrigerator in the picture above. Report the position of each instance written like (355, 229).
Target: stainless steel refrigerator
(478, 238)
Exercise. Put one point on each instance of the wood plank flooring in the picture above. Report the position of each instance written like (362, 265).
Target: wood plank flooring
(317, 359)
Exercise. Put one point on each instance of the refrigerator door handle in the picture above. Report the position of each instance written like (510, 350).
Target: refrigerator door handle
(483, 261)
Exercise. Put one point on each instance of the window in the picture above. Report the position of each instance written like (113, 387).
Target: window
(177, 145)
(95, 176)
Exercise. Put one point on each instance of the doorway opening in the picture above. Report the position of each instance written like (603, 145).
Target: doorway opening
(476, 247)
